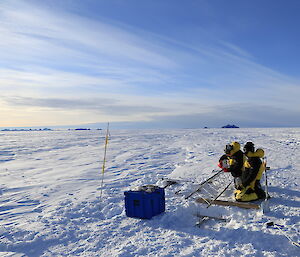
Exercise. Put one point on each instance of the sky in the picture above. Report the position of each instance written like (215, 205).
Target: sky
(150, 64)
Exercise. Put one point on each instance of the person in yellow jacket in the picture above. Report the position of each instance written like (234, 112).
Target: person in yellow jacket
(250, 188)
(233, 161)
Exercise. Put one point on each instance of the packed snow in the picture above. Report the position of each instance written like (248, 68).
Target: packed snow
(50, 190)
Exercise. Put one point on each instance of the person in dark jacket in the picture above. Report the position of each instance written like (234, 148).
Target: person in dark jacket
(250, 188)
(233, 161)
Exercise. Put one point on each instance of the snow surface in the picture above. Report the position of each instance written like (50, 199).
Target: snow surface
(50, 194)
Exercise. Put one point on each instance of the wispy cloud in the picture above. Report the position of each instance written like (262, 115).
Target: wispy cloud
(100, 105)
(52, 59)
(35, 32)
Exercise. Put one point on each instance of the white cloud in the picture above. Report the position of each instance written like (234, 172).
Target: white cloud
(58, 55)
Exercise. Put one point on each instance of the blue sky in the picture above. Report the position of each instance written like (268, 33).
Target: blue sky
(156, 64)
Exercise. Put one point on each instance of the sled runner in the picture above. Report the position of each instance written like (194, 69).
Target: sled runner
(244, 205)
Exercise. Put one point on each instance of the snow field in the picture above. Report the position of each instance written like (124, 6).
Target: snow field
(50, 194)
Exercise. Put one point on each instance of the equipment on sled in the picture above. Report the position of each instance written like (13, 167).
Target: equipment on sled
(211, 191)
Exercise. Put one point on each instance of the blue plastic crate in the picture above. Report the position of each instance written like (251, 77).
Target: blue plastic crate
(144, 205)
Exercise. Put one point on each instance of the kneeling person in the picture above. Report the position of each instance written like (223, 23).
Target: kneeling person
(250, 188)
(233, 160)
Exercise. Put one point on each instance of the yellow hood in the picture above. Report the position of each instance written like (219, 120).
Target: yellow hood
(258, 153)
(236, 147)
